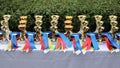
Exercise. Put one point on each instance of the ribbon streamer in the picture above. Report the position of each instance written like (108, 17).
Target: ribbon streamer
(76, 42)
(29, 45)
(60, 44)
(112, 41)
(65, 40)
(13, 42)
(109, 46)
(87, 44)
(50, 44)
(45, 39)
(94, 40)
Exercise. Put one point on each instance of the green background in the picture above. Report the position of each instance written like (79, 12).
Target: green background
(47, 8)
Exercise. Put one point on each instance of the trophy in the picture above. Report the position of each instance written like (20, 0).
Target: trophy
(5, 27)
(54, 27)
(83, 26)
(99, 27)
(38, 27)
(68, 26)
(113, 24)
(22, 27)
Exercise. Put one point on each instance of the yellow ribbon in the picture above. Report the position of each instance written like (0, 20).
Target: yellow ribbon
(50, 44)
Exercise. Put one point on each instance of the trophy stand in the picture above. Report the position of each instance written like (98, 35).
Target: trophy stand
(54, 27)
(22, 27)
(99, 27)
(5, 27)
(83, 26)
(68, 26)
(114, 27)
(38, 27)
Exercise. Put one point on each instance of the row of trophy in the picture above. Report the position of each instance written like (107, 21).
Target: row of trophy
(68, 26)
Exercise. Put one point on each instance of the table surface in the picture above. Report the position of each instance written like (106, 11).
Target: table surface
(59, 59)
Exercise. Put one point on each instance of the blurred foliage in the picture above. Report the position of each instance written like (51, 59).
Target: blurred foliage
(47, 8)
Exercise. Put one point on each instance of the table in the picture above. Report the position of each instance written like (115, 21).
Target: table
(59, 59)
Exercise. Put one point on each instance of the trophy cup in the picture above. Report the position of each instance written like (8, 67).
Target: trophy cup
(5, 27)
(83, 26)
(113, 24)
(38, 27)
(99, 27)
(22, 27)
(54, 27)
(68, 26)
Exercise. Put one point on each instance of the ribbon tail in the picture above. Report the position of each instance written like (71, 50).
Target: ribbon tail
(42, 44)
(94, 42)
(27, 46)
(58, 43)
(113, 41)
(50, 44)
(9, 47)
(66, 40)
(109, 46)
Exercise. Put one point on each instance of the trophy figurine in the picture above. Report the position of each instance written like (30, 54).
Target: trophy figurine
(5, 27)
(68, 26)
(83, 26)
(22, 27)
(113, 24)
(54, 27)
(38, 27)
(99, 27)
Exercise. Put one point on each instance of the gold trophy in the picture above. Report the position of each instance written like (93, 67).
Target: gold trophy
(68, 26)
(54, 27)
(22, 27)
(113, 24)
(83, 26)
(5, 27)
(99, 27)
(38, 27)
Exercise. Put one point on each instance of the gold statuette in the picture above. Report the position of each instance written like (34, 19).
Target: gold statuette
(83, 26)
(99, 27)
(68, 26)
(38, 27)
(54, 27)
(113, 24)
(5, 28)
(22, 27)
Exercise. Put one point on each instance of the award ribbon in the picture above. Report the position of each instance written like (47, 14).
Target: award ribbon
(94, 40)
(76, 41)
(112, 41)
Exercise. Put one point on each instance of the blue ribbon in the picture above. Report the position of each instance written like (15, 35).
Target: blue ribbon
(65, 39)
(1, 33)
(13, 39)
(76, 37)
(118, 35)
(31, 39)
(112, 41)
(45, 39)
(94, 40)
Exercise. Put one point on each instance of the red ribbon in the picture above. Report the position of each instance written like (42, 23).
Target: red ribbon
(87, 43)
(42, 43)
(109, 46)
(60, 44)
(27, 45)
(74, 42)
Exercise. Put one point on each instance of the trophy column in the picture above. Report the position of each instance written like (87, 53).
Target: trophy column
(22, 27)
(99, 27)
(113, 24)
(5, 27)
(38, 27)
(68, 26)
(83, 26)
(54, 27)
